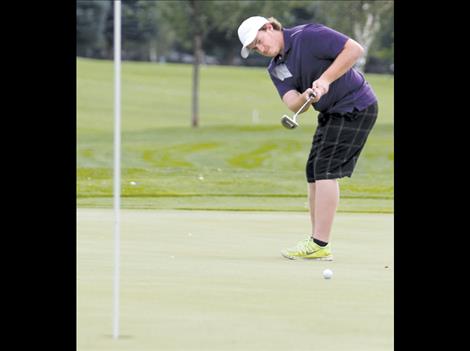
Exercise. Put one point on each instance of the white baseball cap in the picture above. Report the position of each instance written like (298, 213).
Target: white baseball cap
(248, 30)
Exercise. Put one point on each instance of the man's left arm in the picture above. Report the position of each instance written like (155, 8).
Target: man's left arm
(351, 52)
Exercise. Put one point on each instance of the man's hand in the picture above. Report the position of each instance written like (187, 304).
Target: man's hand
(294, 99)
(308, 93)
(320, 87)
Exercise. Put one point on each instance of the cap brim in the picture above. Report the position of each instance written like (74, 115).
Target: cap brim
(245, 52)
(250, 39)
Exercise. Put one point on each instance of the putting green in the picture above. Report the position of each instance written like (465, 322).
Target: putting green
(213, 280)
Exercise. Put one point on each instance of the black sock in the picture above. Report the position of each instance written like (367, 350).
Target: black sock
(319, 242)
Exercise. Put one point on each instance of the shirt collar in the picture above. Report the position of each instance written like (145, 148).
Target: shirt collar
(286, 32)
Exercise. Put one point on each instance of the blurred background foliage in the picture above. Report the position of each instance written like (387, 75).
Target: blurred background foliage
(182, 59)
(168, 31)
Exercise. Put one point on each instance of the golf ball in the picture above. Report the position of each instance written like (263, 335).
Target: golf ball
(327, 273)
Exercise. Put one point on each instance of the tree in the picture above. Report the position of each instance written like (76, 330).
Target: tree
(153, 29)
(359, 19)
(91, 22)
(139, 29)
(223, 37)
(193, 21)
(366, 30)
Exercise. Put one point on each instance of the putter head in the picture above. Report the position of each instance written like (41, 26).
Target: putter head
(288, 123)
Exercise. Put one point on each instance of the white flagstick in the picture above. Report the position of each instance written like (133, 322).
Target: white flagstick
(117, 161)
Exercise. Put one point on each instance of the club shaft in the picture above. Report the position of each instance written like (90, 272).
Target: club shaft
(300, 109)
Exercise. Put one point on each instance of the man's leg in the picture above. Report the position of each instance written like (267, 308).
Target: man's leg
(324, 209)
(311, 204)
(323, 199)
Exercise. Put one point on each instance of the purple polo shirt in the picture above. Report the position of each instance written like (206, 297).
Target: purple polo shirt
(309, 50)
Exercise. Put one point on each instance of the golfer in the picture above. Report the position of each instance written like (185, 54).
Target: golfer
(312, 58)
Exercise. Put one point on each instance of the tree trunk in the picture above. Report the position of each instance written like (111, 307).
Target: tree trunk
(196, 65)
(197, 53)
(153, 53)
(365, 34)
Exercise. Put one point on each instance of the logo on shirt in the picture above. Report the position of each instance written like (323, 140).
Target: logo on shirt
(281, 72)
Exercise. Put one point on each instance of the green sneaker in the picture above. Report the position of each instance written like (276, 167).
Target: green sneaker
(309, 249)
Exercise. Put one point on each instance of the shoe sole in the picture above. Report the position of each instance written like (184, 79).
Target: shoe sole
(326, 258)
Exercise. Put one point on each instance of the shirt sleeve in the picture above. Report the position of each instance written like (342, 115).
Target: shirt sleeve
(282, 86)
(324, 42)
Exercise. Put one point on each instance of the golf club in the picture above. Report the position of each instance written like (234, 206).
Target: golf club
(291, 123)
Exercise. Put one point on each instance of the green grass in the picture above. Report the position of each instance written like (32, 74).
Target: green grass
(229, 162)
(196, 280)
(159, 95)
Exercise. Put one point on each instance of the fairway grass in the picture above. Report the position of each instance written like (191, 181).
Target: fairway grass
(228, 168)
(198, 280)
(239, 158)
(159, 95)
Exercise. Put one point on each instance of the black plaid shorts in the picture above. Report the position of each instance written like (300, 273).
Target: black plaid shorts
(338, 142)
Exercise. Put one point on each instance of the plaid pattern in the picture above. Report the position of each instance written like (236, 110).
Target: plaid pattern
(338, 142)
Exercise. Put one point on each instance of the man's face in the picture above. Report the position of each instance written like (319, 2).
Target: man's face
(265, 44)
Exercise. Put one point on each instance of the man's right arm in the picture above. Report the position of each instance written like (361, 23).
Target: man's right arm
(294, 100)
